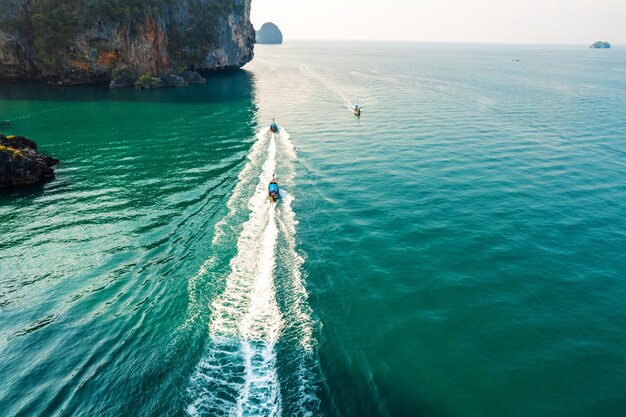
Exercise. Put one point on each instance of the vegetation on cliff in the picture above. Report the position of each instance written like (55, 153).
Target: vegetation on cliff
(198, 36)
(53, 24)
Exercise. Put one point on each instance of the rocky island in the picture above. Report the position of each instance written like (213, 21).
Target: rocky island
(21, 164)
(269, 34)
(140, 43)
(600, 45)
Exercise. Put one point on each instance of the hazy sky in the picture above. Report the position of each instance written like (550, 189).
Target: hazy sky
(516, 21)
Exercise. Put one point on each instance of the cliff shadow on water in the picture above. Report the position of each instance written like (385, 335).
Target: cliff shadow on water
(226, 86)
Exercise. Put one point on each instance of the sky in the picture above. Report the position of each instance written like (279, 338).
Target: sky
(490, 21)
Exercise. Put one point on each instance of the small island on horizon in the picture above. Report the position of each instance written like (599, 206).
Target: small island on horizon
(269, 34)
(600, 45)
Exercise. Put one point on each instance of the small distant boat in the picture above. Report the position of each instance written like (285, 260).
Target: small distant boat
(273, 191)
(357, 110)
(274, 127)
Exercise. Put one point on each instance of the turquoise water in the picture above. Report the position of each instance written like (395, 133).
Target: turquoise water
(456, 251)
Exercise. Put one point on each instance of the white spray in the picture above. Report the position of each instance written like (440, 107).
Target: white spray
(239, 375)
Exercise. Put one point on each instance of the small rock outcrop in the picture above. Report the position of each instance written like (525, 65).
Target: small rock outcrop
(147, 81)
(600, 45)
(192, 77)
(21, 164)
(269, 34)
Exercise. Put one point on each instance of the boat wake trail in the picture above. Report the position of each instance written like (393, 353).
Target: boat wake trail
(262, 314)
(224, 230)
(349, 95)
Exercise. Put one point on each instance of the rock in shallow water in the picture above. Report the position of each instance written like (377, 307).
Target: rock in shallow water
(173, 80)
(128, 79)
(123, 78)
(21, 164)
(193, 77)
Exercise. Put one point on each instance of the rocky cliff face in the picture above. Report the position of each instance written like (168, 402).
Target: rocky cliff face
(93, 41)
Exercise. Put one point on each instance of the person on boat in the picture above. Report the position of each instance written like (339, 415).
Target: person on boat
(273, 190)
(273, 127)
(357, 110)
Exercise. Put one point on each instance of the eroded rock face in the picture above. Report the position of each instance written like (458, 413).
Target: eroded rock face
(15, 59)
(269, 34)
(99, 44)
(21, 164)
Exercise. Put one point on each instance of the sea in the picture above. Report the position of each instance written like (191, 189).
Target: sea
(457, 251)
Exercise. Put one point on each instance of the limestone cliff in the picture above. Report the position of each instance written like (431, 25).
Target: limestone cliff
(93, 41)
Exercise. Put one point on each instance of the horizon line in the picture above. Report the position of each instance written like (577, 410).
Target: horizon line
(285, 40)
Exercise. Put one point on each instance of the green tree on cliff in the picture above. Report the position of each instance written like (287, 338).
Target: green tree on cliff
(54, 23)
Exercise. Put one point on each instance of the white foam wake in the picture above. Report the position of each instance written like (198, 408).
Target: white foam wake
(239, 374)
(243, 183)
(227, 314)
(299, 307)
(260, 329)
(245, 179)
(239, 377)
(299, 323)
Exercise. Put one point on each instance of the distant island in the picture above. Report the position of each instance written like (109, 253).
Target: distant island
(269, 34)
(600, 45)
